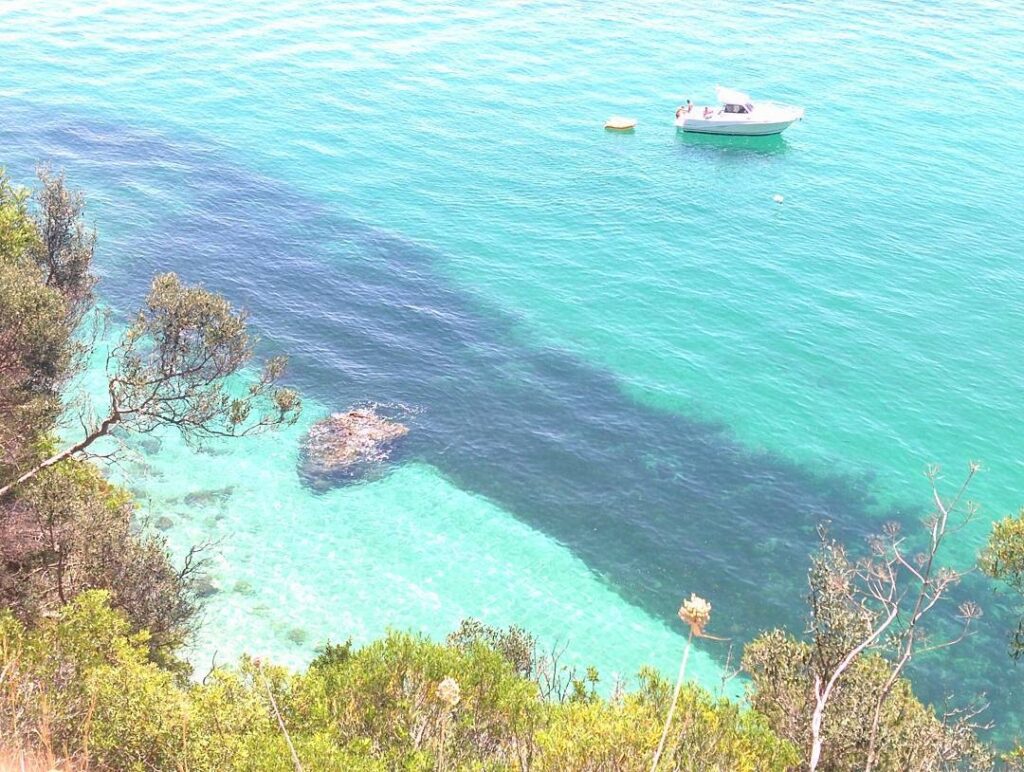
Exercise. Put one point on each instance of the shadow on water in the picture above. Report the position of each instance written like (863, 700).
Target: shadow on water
(657, 504)
(721, 147)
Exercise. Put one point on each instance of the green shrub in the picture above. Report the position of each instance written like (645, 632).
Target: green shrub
(69, 531)
(387, 694)
(622, 734)
(84, 682)
(782, 671)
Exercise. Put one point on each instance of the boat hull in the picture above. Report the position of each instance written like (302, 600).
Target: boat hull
(731, 128)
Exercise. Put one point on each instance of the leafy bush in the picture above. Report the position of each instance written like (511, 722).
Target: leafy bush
(783, 669)
(1003, 560)
(622, 734)
(69, 531)
(386, 694)
(82, 686)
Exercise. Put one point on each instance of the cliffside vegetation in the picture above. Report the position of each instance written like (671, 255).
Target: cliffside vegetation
(94, 614)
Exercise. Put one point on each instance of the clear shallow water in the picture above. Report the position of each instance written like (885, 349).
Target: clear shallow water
(637, 375)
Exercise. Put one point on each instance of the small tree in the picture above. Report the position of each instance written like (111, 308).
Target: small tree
(865, 627)
(66, 246)
(514, 643)
(1003, 560)
(70, 531)
(46, 290)
(18, 232)
(180, 365)
(37, 346)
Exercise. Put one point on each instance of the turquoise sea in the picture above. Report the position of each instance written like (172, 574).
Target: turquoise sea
(633, 374)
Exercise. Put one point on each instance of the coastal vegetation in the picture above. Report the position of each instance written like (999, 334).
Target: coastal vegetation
(94, 613)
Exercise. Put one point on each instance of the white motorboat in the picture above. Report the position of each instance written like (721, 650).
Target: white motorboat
(737, 114)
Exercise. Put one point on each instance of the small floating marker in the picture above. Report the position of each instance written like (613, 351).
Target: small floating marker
(777, 198)
(619, 123)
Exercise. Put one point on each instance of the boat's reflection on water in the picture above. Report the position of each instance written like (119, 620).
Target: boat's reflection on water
(719, 146)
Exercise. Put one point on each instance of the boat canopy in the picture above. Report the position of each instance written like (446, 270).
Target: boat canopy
(728, 96)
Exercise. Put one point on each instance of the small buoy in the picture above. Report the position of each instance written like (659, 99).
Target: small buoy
(777, 198)
(620, 123)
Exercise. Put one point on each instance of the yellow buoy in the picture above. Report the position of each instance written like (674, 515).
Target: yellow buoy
(620, 123)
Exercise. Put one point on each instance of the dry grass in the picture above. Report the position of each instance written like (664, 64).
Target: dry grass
(12, 760)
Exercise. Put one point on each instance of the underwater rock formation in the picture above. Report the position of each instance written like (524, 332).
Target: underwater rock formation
(209, 496)
(345, 446)
(206, 587)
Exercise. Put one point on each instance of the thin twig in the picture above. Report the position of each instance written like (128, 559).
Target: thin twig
(675, 698)
(280, 721)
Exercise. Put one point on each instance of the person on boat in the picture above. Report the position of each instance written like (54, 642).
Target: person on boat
(689, 106)
(707, 113)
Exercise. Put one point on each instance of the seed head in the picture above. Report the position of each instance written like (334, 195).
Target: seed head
(448, 692)
(696, 612)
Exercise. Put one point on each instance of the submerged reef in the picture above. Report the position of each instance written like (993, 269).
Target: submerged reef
(347, 446)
